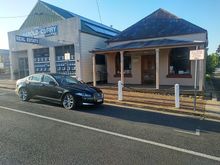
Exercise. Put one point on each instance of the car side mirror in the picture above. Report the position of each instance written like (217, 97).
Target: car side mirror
(52, 83)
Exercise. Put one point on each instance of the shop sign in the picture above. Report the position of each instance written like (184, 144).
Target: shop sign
(42, 32)
(27, 39)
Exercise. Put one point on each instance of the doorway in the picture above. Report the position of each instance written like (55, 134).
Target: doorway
(23, 67)
(148, 69)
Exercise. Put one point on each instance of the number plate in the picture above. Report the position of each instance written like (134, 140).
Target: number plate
(99, 100)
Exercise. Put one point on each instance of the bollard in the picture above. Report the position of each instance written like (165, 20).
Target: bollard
(177, 96)
(120, 86)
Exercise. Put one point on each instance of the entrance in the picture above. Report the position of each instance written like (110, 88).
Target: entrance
(23, 67)
(148, 68)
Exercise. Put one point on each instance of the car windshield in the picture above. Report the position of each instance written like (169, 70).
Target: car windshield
(66, 80)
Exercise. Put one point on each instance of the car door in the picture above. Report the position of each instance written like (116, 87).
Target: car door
(51, 90)
(34, 84)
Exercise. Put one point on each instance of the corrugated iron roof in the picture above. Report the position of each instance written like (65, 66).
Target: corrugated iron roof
(160, 23)
(147, 44)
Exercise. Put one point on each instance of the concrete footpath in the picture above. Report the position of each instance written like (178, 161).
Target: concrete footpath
(153, 102)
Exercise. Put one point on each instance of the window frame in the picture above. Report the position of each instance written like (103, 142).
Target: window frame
(174, 75)
(118, 65)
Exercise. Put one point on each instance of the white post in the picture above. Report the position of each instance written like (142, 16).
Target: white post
(120, 86)
(157, 69)
(122, 67)
(177, 96)
(94, 70)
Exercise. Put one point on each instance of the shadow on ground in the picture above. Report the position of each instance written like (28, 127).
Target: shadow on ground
(129, 114)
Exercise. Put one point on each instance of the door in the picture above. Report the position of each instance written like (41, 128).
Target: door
(148, 64)
(52, 92)
(23, 67)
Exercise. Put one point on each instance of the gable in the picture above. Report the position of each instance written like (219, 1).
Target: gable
(158, 24)
(40, 15)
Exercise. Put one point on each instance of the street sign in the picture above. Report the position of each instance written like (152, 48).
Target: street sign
(197, 54)
(67, 56)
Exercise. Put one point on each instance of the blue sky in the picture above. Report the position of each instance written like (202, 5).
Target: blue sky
(119, 13)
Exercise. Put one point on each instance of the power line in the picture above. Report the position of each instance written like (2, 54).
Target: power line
(97, 3)
(12, 17)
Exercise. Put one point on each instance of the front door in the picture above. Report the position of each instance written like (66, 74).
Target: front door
(23, 67)
(148, 69)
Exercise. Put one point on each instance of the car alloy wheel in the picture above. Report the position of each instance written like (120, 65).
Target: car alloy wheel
(68, 101)
(23, 94)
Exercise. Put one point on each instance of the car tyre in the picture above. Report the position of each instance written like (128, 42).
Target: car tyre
(69, 101)
(23, 94)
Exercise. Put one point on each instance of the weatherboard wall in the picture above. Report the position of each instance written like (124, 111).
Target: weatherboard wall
(88, 42)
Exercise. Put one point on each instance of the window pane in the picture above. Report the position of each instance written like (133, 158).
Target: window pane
(179, 61)
(36, 78)
(47, 79)
(127, 64)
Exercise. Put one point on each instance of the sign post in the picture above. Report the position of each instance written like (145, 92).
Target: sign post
(196, 55)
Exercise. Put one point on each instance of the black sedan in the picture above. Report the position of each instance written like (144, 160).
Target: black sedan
(59, 88)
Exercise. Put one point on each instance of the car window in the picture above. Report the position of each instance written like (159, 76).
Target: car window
(36, 77)
(66, 80)
(47, 79)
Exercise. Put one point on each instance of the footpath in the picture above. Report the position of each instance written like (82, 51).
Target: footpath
(154, 102)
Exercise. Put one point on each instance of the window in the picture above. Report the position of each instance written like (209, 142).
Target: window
(36, 77)
(179, 63)
(100, 59)
(47, 79)
(127, 65)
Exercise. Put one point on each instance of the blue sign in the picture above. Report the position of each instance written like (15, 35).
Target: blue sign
(27, 39)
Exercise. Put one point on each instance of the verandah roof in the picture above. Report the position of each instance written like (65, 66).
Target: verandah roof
(151, 44)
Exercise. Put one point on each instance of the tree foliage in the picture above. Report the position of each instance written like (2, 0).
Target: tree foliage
(212, 62)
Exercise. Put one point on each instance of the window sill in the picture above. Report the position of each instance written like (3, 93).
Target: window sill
(179, 76)
(125, 75)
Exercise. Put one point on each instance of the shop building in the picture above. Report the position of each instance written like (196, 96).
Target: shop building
(4, 61)
(54, 40)
(155, 51)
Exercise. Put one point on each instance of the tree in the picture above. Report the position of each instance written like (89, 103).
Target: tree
(212, 62)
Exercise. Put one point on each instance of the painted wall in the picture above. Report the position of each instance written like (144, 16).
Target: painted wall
(135, 72)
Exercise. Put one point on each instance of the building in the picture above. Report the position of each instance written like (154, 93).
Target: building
(4, 61)
(52, 39)
(156, 51)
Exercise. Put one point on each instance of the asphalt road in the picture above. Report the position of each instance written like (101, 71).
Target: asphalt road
(36, 132)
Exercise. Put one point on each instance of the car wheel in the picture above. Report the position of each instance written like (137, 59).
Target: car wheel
(69, 101)
(23, 94)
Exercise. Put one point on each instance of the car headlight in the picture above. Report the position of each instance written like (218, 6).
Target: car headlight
(84, 94)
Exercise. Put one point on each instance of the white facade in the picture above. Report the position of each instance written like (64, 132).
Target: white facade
(68, 32)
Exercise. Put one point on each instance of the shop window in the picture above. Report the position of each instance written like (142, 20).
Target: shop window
(179, 63)
(65, 66)
(41, 60)
(127, 65)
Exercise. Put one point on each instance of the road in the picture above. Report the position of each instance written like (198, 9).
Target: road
(36, 132)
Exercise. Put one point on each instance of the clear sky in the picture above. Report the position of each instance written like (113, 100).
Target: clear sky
(119, 13)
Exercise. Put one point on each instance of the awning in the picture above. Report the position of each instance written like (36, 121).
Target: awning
(151, 44)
